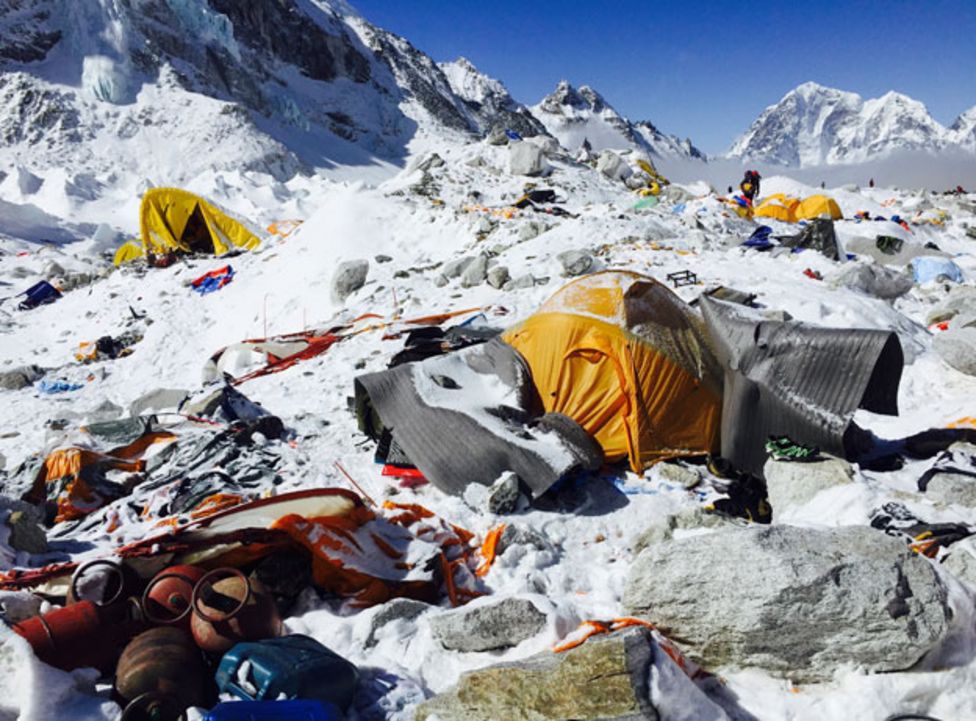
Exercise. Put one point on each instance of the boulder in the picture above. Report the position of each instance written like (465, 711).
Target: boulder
(454, 268)
(957, 345)
(531, 229)
(791, 483)
(620, 677)
(499, 623)
(26, 533)
(498, 276)
(952, 488)
(521, 283)
(349, 276)
(961, 561)
(613, 166)
(405, 609)
(501, 498)
(20, 377)
(796, 602)
(548, 144)
(575, 262)
(526, 159)
(475, 272)
(694, 517)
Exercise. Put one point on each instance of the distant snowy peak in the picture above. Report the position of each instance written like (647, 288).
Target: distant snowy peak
(573, 115)
(816, 125)
(488, 100)
(964, 129)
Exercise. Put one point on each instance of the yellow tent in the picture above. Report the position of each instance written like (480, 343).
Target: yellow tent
(779, 207)
(173, 220)
(628, 360)
(817, 206)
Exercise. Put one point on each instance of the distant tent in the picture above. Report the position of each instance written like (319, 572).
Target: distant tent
(778, 207)
(627, 360)
(173, 220)
(818, 206)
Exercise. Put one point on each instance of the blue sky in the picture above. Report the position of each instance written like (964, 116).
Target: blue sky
(704, 70)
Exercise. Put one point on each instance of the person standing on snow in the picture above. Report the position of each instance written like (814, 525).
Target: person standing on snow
(750, 185)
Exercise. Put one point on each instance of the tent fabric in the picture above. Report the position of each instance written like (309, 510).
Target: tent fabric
(795, 379)
(817, 206)
(629, 361)
(470, 416)
(817, 235)
(778, 207)
(174, 220)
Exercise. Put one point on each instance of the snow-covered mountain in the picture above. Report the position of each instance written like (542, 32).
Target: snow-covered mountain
(166, 89)
(964, 129)
(488, 100)
(573, 115)
(815, 125)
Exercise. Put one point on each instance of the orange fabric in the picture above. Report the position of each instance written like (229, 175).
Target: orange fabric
(61, 475)
(215, 504)
(588, 629)
(489, 548)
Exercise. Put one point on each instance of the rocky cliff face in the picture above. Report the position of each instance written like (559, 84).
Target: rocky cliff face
(279, 85)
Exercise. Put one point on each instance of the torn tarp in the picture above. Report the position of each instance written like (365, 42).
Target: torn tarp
(795, 379)
(469, 416)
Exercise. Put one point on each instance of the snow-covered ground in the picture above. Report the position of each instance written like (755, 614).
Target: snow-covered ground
(417, 218)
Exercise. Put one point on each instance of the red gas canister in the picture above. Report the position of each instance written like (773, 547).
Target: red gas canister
(229, 608)
(167, 600)
(78, 635)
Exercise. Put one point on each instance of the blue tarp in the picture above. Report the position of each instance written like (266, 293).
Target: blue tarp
(934, 267)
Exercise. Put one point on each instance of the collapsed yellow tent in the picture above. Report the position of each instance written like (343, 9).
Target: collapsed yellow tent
(628, 360)
(778, 207)
(173, 220)
(817, 206)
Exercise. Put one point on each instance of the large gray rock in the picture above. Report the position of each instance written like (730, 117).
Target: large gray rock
(957, 346)
(526, 159)
(575, 262)
(952, 488)
(454, 268)
(791, 483)
(662, 529)
(350, 276)
(961, 561)
(498, 276)
(20, 377)
(485, 627)
(398, 609)
(548, 144)
(621, 677)
(796, 602)
(613, 166)
(531, 229)
(475, 272)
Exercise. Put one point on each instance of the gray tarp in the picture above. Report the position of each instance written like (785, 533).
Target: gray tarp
(469, 416)
(794, 379)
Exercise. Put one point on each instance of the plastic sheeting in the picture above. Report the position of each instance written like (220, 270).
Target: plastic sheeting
(795, 379)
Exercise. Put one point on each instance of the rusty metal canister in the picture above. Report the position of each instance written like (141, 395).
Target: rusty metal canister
(78, 635)
(167, 600)
(160, 674)
(229, 608)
